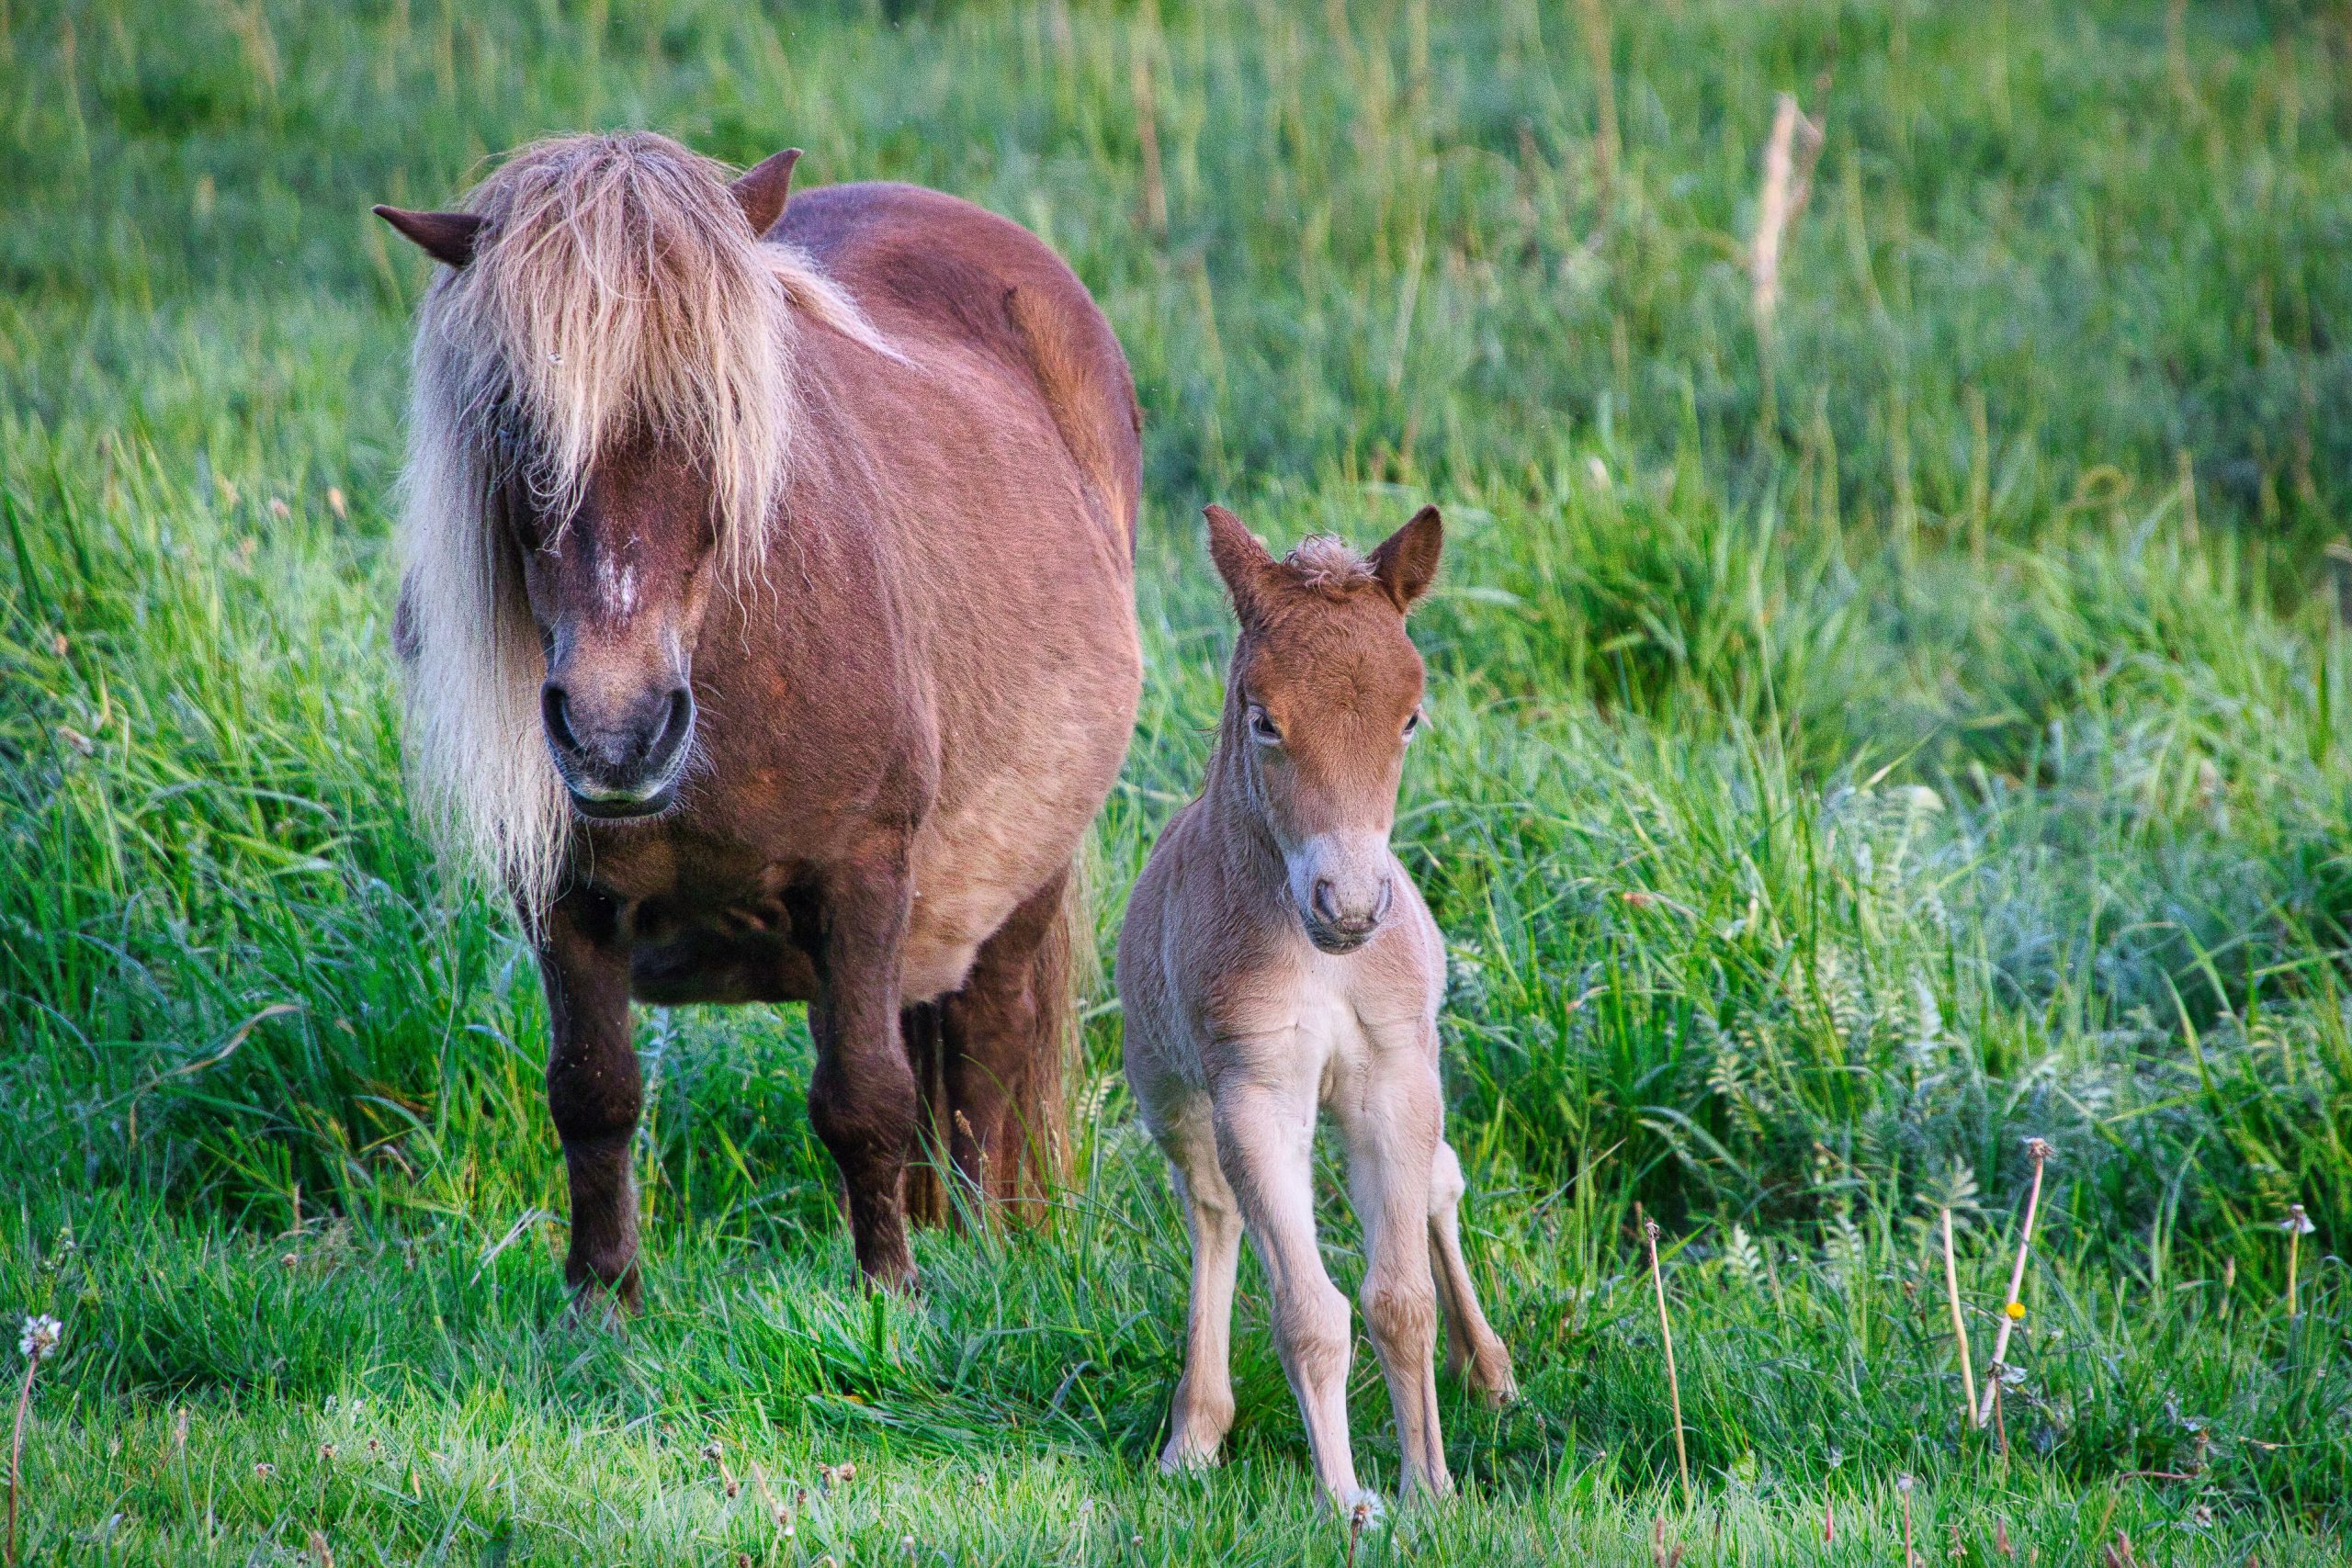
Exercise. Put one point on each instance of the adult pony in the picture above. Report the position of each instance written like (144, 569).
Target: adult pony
(769, 630)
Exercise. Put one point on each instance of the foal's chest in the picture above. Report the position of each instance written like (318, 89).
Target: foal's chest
(1325, 1032)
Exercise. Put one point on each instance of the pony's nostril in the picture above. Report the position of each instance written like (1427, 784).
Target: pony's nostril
(1388, 896)
(1326, 908)
(676, 720)
(555, 711)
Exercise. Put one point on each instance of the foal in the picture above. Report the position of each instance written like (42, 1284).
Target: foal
(1276, 955)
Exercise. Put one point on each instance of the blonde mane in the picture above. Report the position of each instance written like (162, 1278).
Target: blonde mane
(615, 289)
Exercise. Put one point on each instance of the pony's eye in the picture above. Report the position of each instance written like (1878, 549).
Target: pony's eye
(1262, 729)
(1413, 724)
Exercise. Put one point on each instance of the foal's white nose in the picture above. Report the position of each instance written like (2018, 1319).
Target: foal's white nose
(1351, 917)
(1344, 885)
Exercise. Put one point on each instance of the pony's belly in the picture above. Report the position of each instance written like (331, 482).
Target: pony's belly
(743, 954)
(933, 969)
(945, 928)
(979, 862)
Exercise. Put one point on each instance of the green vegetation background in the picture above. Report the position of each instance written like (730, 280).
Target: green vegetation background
(1860, 745)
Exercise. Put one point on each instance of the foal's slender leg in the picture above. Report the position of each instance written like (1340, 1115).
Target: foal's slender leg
(995, 1040)
(1474, 1352)
(1391, 1131)
(1265, 1142)
(861, 1097)
(1203, 1412)
(595, 1091)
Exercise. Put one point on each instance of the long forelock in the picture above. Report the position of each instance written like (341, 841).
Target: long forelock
(619, 290)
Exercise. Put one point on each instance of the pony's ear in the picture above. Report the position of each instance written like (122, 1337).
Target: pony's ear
(1406, 563)
(1244, 563)
(446, 237)
(760, 192)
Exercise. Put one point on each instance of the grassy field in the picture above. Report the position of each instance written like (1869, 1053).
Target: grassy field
(1865, 739)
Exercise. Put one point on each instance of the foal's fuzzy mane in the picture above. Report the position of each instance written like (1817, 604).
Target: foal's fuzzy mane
(617, 289)
(1328, 564)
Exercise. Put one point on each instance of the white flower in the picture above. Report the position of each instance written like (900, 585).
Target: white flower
(40, 1336)
(2297, 1223)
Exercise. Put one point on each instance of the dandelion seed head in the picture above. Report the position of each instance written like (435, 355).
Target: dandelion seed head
(40, 1337)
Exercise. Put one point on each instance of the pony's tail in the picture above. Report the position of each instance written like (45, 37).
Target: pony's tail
(1057, 978)
(923, 1029)
(1034, 1135)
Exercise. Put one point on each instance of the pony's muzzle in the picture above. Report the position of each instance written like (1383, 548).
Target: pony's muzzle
(618, 760)
(1347, 889)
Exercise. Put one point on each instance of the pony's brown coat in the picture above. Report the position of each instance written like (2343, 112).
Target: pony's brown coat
(1276, 958)
(856, 499)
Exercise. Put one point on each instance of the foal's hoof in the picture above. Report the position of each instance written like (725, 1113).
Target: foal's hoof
(1183, 1458)
(1488, 1375)
(1497, 1392)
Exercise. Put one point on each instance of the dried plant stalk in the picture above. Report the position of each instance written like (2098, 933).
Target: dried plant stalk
(1959, 1326)
(1789, 159)
(1673, 1384)
(2014, 1308)
(1605, 145)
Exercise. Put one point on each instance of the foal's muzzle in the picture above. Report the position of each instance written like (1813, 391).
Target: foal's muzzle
(1343, 885)
(619, 759)
(1338, 925)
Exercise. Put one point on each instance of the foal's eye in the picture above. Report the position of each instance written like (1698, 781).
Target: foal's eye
(1413, 724)
(1262, 729)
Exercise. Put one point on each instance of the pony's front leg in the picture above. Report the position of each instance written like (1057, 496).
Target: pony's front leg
(1203, 1411)
(1392, 1131)
(595, 1091)
(862, 1098)
(1265, 1144)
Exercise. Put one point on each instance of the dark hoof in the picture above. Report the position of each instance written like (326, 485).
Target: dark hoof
(599, 1304)
(896, 1276)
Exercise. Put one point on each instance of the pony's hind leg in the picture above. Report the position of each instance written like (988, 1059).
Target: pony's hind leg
(1474, 1352)
(1001, 1044)
(594, 1092)
(1203, 1411)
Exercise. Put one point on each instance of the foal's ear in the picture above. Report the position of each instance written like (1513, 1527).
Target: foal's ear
(1241, 561)
(761, 191)
(1406, 562)
(447, 237)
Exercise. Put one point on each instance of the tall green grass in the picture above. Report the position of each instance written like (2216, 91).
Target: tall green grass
(1857, 748)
